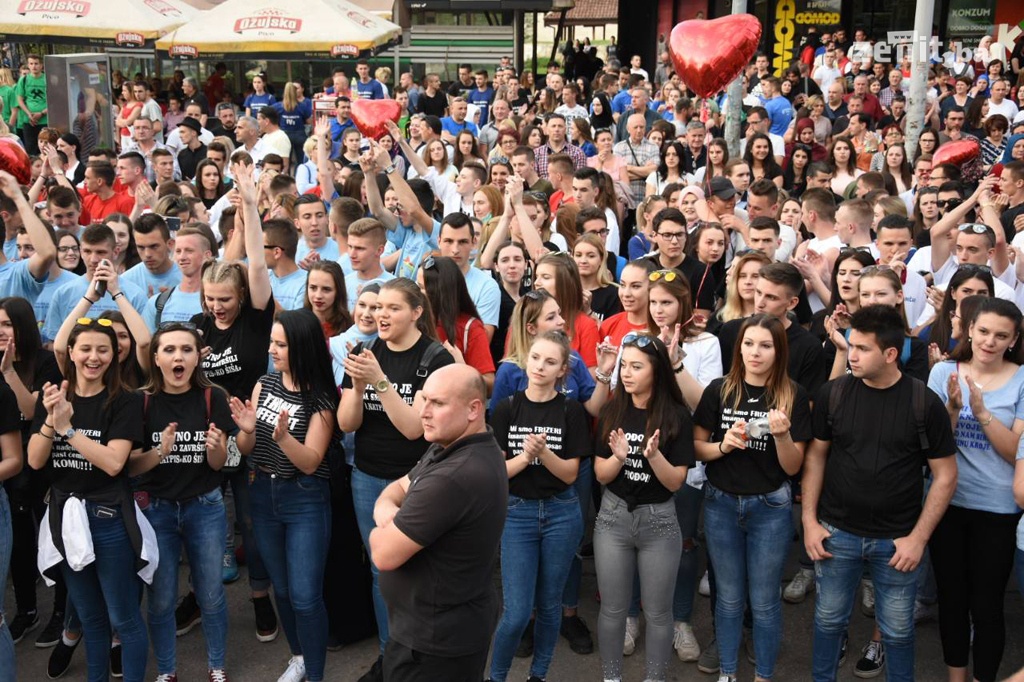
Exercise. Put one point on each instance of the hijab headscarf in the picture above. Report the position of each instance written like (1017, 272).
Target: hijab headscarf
(604, 119)
(1014, 139)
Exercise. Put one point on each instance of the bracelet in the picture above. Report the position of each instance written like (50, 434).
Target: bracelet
(988, 421)
(679, 368)
(602, 377)
(91, 302)
(720, 447)
(45, 436)
(117, 295)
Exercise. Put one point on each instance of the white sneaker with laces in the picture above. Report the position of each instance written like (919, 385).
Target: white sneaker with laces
(727, 678)
(705, 585)
(867, 598)
(166, 677)
(802, 583)
(686, 645)
(296, 670)
(632, 635)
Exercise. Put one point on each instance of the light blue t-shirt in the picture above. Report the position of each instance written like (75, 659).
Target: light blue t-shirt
(449, 125)
(354, 286)
(984, 479)
(11, 249)
(339, 351)
(180, 306)
(510, 377)
(329, 251)
(1020, 524)
(66, 298)
(485, 294)
(150, 282)
(16, 280)
(415, 245)
(290, 290)
(42, 302)
(780, 111)
(346, 264)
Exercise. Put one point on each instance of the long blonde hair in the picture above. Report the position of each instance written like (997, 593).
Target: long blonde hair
(6, 77)
(526, 312)
(733, 307)
(604, 278)
(291, 97)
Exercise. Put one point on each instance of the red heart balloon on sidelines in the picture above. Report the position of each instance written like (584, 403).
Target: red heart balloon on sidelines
(708, 55)
(370, 115)
(957, 153)
(14, 160)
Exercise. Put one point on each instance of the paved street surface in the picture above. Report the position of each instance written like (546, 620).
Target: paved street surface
(251, 661)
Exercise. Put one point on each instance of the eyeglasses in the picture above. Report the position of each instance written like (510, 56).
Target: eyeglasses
(536, 294)
(950, 203)
(637, 339)
(271, 246)
(668, 275)
(672, 236)
(88, 321)
(429, 263)
(539, 196)
(976, 228)
(601, 233)
(68, 249)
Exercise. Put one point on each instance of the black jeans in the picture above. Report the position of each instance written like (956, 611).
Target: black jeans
(402, 664)
(972, 553)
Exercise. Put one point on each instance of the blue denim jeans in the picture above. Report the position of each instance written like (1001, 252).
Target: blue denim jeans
(645, 539)
(836, 580)
(259, 580)
(748, 537)
(7, 670)
(106, 594)
(365, 491)
(537, 547)
(291, 521)
(196, 524)
(584, 487)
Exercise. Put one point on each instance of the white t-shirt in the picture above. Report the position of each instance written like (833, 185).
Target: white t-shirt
(704, 363)
(826, 76)
(1006, 108)
(821, 246)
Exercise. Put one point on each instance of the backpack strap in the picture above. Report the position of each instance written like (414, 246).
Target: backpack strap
(905, 353)
(145, 405)
(432, 351)
(465, 335)
(919, 403)
(161, 303)
(208, 393)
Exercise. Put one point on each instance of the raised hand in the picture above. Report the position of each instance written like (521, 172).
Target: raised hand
(281, 426)
(166, 444)
(618, 444)
(244, 414)
(651, 448)
(216, 442)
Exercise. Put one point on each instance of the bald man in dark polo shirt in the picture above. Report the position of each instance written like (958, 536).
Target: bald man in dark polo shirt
(437, 539)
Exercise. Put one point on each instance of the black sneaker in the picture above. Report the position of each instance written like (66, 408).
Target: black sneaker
(843, 649)
(51, 634)
(334, 642)
(115, 660)
(576, 631)
(872, 662)
(60, 658)
(22, 624)
(525, 648)
(266, 619)
(534, 678)
(187, 615)
(375, 673)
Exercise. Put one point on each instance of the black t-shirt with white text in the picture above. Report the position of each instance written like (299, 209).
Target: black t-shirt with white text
(381, 449)
(806, 357)
(69, 471)
(561, 419)
(873, 486)
(755, 470)
(636, 482)
(238, 354)
(184, 473)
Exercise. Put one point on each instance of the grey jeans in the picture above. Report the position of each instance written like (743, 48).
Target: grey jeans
(647, 540)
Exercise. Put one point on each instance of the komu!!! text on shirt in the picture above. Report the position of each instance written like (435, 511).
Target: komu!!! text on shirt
(270, 407)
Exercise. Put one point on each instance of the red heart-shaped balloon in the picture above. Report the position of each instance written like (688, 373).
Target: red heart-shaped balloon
(14, 160)
(708, 55)
(370, 115)
(957, 153)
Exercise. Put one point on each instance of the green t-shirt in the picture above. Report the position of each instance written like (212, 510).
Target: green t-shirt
(10, 101)
(33, 91)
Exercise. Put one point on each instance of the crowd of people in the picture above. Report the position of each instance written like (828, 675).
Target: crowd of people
(683, 358)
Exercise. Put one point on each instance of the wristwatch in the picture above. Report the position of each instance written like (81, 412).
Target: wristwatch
(382, 386)
(390, 169)
(69, 434)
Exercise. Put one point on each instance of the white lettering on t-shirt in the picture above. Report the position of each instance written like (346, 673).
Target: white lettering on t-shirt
(189, 447)
(517, 437)
(633, 468)
(729, 417)
(64, 455)
(270, 407)
(221, 364)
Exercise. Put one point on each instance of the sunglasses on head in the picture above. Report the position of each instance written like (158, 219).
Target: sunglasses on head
(637, 339)
(536, 294)
(667, 275)
(970, 268)
(976, 228)
(176, 327)
(88, 321)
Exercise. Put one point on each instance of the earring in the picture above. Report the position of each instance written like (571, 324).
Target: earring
(969, 339)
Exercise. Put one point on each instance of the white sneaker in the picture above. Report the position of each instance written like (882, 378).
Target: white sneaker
(296, 670)
(705, 586)
(727, 678)
(632, 635)
(685, 644)
(867, 598)
(797, 589)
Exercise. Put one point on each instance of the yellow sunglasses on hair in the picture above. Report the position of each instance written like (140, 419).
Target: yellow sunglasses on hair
(86, 321)
(669, 275)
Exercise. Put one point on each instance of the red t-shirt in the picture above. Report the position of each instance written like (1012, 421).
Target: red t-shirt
(585, 339)
(617, 326)
(474, 344)
(94, 209)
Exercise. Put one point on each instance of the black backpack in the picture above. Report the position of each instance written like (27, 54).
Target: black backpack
(842, 386)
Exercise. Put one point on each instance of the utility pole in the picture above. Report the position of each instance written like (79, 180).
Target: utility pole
(921, 47)
(734, 100)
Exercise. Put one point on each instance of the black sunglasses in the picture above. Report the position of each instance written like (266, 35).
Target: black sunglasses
(637, 339)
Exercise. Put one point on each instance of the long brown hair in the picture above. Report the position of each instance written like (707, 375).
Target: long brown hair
(780, 390)
(156, 376)
(679, 289)
(338, 317)
(415, 299)
(568, 287)
(112, 375)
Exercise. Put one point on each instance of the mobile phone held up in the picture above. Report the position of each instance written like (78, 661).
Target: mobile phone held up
(100, 286)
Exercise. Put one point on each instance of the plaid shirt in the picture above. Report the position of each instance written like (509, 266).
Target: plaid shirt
(579, 159)
(639, 155)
